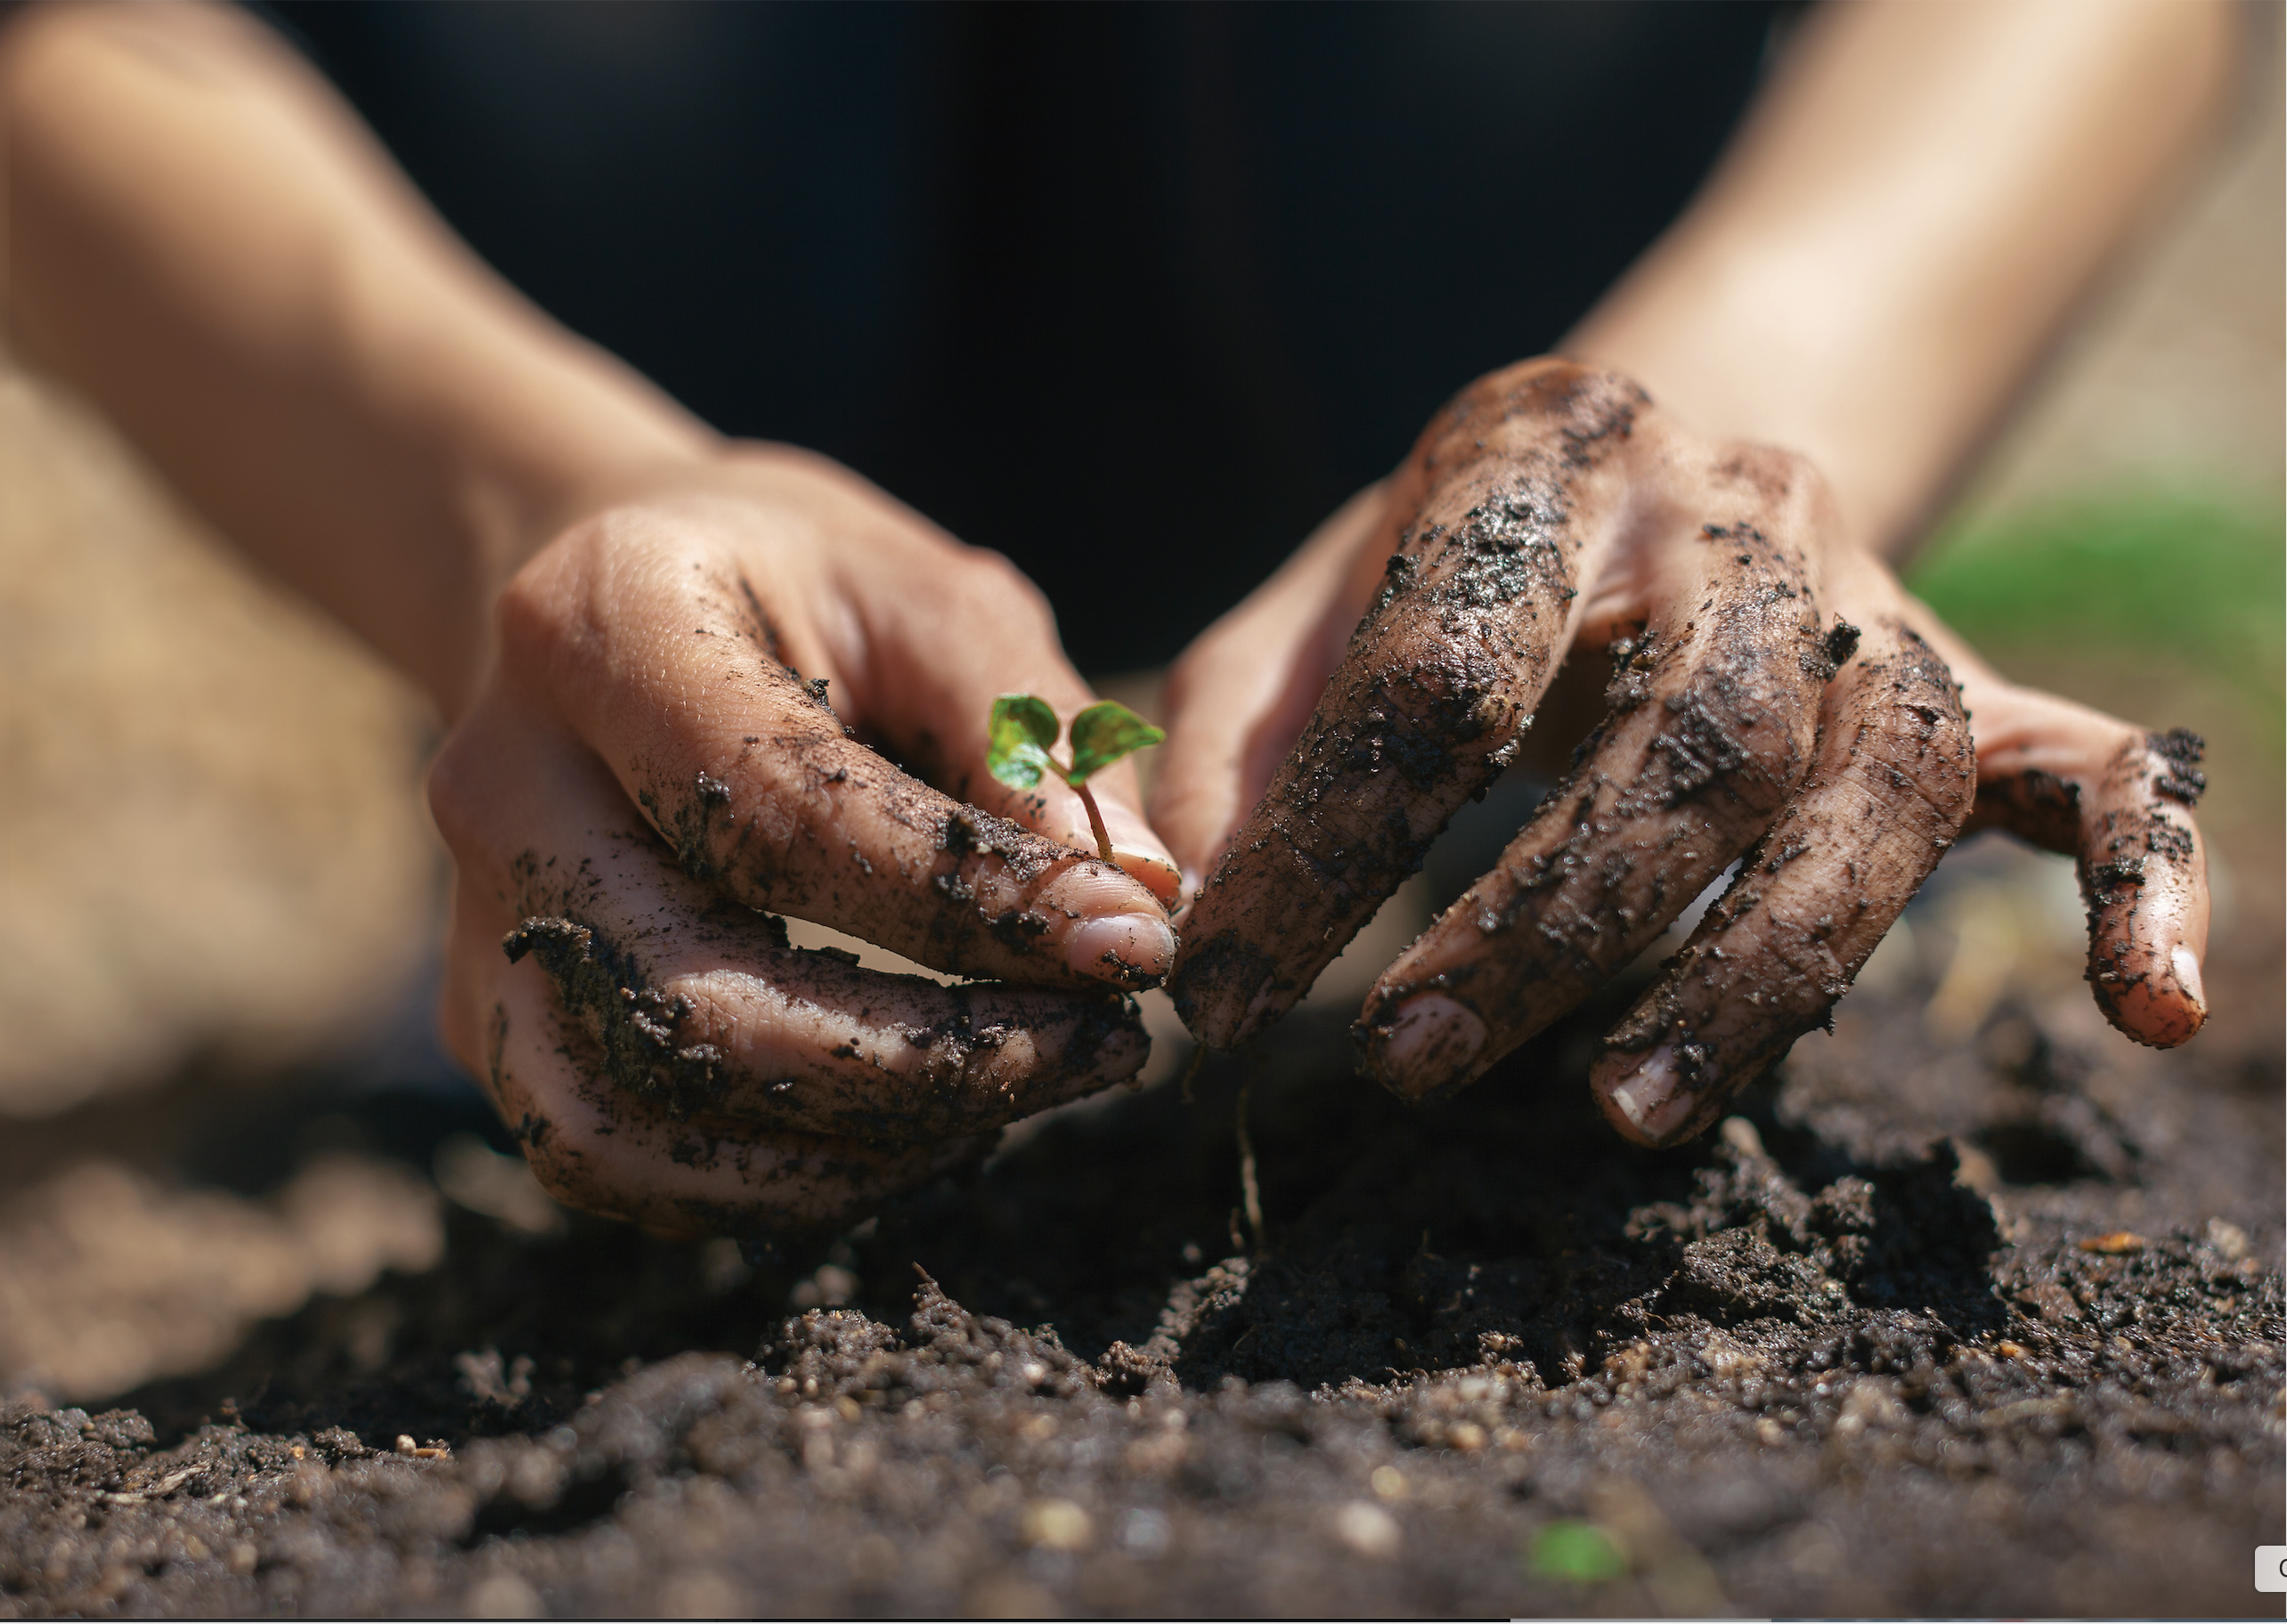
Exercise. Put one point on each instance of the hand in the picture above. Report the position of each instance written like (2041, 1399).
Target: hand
(674, 735)
(1776, 697)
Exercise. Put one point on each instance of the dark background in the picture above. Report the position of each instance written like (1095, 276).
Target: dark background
(1092, 285)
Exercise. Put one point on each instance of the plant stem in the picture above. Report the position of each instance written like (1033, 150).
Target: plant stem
(1095, 821)
(1088, 799)
(1250, 1188)
(1191, 1071)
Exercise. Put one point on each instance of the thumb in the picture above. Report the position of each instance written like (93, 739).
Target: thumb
(937, 659)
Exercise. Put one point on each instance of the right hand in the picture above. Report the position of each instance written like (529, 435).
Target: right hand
(652, 758)
(1777, 698)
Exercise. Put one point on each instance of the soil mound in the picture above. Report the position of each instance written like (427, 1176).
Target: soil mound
(1924, 1330)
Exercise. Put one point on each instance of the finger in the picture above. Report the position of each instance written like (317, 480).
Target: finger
(1513, 495)
(1714, 712)
(1241, 692)
(937, 690)
(689, 1013)
(696, 1006)
(1890, 785)
(669, 673)
(594, 1148)
(2119, 802)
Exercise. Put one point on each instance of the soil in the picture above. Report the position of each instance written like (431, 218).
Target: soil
(1981, 1330)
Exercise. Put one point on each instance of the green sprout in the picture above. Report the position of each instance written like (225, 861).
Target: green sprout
(1580, 1553)
(1024, 728)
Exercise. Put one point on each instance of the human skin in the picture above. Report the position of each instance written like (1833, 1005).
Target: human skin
(679, 673)
(1911, 211)
(621, 616)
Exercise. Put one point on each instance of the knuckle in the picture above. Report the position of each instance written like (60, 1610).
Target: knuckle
(1545, 380)
(1924, 736)
(1780, 466)
(587, 577)
(1586, 404)
(1533, 373)
(456, 797)
(527, 617)
(1784, 481)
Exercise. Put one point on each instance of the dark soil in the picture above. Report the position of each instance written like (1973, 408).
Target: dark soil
(1990, 1331)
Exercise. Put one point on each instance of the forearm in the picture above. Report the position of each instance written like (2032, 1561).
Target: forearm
(1913, 208)
(203, 238)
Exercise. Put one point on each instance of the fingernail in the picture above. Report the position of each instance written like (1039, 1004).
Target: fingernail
(1154, 871)
(1648, 1099)
(1129, 949)
(1132, 832)
(2187, 975)
(1432, 1040)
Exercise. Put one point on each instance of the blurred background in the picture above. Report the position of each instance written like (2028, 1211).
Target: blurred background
(219, 893)
(1204, 270)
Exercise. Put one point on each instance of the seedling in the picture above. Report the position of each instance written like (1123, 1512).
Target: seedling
(1580, 1552)
(1024, 731)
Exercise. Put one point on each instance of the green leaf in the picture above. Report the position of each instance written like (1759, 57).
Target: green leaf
(1580, 1553)
(1027, 716)
(1017, 739)
(1103, 733)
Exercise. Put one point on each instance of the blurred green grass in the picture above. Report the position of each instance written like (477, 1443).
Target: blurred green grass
(2193, 580)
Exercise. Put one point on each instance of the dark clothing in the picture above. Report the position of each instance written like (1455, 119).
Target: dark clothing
(1135, 294)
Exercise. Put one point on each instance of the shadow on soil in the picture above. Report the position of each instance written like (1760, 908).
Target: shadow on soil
(1836, 1359)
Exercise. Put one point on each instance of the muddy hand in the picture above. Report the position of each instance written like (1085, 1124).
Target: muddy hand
(1818, 892)
(676, 736)
(1535, 484)
(1774, 698)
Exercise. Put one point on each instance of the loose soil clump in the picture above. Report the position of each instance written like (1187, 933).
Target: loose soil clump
(1984, 1330)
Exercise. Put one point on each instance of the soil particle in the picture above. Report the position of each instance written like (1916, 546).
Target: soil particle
(2042, 806)
(637, 1031)
(2183, 751)
(1806, 1367)
(1835, 651)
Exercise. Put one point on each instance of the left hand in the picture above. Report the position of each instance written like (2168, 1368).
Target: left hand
(1777, 697)
(652, 771)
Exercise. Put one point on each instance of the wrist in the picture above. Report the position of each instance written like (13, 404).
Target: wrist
(1910, 212)
(513, 494)
(1748, 337)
